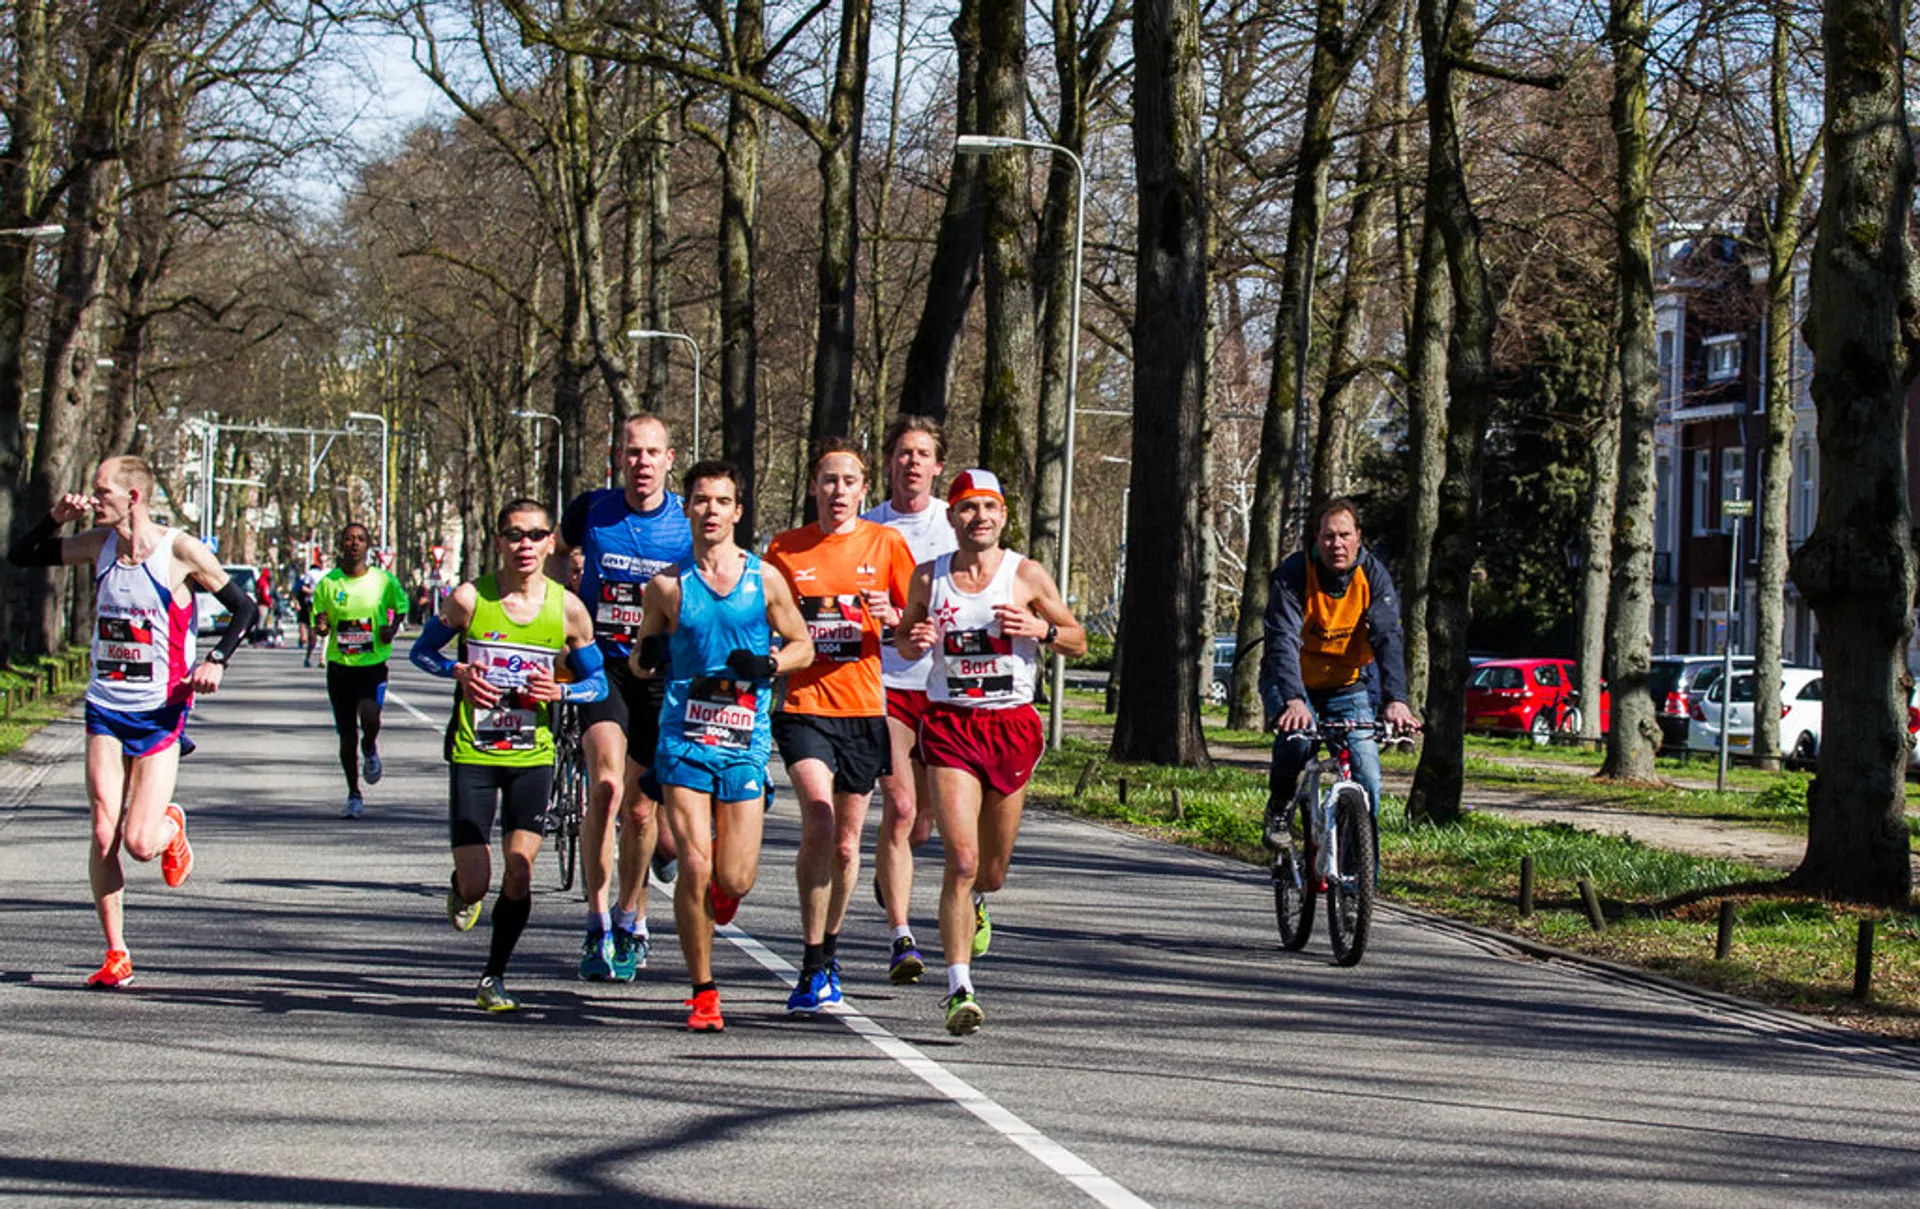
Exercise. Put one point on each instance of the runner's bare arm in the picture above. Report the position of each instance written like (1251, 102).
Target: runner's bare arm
(784, 616)
(659, 616)
(584, 662)
(1044, 611)
(915, 635)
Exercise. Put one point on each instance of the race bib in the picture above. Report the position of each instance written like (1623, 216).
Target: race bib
(721, 713)
(834, 624)
(979, 665)
(123, 649)
(511, 725)
(354, 636)
(617, 619)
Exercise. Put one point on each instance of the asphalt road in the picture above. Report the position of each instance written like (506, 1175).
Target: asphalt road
(302, 1033)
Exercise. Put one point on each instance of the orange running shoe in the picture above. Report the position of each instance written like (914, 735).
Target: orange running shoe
(724, 905)
(705, 1017)
(176, 863)
(115, 971)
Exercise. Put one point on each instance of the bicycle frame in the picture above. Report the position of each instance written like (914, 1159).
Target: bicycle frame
(1318, 805)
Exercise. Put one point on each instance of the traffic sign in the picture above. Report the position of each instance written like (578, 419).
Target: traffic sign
(439, 555)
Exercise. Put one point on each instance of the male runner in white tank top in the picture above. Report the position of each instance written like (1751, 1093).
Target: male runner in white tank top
(144, 677)
(984, 613)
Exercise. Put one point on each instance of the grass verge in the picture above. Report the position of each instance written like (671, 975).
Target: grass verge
(1661, 907)
(23, 718)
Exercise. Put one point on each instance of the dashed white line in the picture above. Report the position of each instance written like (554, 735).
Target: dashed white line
(1057, 1158)
(407, 705)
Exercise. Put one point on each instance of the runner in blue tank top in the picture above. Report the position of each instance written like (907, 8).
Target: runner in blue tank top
(627, 534)
(711, 620)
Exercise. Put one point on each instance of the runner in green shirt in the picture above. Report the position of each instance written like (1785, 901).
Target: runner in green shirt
(359, 608)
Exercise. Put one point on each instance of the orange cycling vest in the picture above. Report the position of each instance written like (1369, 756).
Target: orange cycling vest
(1333, 650)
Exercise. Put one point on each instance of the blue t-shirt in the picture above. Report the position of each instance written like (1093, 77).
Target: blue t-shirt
(708, 709)
(623, 550)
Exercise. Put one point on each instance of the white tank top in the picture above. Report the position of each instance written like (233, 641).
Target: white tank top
(929, 534)
(143, 639)
(974, 665)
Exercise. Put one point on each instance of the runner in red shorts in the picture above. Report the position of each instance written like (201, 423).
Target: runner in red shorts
(985, 613)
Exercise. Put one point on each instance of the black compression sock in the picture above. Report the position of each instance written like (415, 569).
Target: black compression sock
(830, 948)
(705, 986)
(509, 920)
(814, 958)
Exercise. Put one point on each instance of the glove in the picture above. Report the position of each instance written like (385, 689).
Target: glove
(653, 652)
(749, 666)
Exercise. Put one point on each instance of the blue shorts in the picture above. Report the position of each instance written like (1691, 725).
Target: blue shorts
(727, 780)
(143, 732)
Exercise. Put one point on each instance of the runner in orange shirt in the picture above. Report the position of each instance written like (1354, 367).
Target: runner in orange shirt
(850, 577)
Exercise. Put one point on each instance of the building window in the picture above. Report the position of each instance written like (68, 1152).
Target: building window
(1702, 487)
(1733, 476)
(1723, 357)
(1666, 370)
(1662, 503)
(1804, 500)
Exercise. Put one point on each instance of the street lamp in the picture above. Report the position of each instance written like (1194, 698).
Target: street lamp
(559, 452)
(655, 334)
(1733, 510)
(386, 535)
(986, 144)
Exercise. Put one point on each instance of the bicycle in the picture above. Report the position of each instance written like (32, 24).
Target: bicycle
(1330, 847)
(567, 800)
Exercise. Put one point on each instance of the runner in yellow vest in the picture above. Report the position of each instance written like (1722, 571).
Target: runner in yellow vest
(359, 608)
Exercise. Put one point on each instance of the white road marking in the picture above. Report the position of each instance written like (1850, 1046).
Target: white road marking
(1063, 1162)
(407, 705)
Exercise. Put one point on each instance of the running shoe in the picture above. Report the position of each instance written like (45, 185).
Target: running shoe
(596, 958)
(982, 926)
(963, 1013)
(906, 964)
(370, 766)
(705, 1016)
(833, 981)
(176, 863)
(354, 807)
(115, 971)
(816, 989)
(629, 954)
(494, 996)
(724, 905)
(461, 913)
(665, 869)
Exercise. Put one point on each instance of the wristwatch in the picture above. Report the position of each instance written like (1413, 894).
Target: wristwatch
(1053, 632)
(217, 656)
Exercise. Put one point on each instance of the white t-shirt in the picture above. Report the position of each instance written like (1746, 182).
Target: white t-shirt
(929, 535)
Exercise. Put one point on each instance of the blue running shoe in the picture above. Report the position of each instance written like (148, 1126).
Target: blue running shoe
(906, 965)
(629, 954)
(816, 989)
(596, 958)
(354, 807)
(370, 767)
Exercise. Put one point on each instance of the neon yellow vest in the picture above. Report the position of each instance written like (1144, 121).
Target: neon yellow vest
(514, 733)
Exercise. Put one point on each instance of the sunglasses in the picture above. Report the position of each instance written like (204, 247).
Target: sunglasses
(528, 535)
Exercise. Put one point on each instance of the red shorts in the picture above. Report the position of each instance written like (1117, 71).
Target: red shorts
(1000, 747)
(907, 706)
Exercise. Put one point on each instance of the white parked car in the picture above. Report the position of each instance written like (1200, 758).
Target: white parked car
(210, 616)
(1799, 715)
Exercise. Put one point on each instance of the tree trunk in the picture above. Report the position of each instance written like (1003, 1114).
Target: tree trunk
(1634, 738)
(1159, 714)
(1429, 330)
(955, 272)
(1006, 403)
(739, 215)
(1857, 567)
(882, 320)
(840, 228)
(1596, 568)
(1438, 781)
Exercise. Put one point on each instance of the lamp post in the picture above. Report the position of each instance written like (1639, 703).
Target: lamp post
(1734, 511)
(986, 144)
(638, 334)
(559, 453)
(386, 536)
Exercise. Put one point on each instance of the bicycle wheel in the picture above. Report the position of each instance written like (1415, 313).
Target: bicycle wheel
(1293, 886)
(569, 801)
(1350, 890)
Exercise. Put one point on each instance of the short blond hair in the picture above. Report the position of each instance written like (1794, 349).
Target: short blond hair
(132, 472)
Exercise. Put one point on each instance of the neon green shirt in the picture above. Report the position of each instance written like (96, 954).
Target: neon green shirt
(356, 608)
(515, 732)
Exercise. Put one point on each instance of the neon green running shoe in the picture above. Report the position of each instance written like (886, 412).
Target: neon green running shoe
(963, 1013)
(460, 913)
(494, 996)
(982, 926)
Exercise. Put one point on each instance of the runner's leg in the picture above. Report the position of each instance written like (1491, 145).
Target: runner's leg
(849, 820)
(639, 830)
(813, 865)
(146, 831)
(957, 800)
(689, 816)
(106, 787)
(605, 747)
(900, 826)
(999, 825)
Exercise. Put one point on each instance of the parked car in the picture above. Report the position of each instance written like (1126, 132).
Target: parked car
(210, 616)
(1224, 646)
(1676, 682)
(1534, 697)
(1799, 715)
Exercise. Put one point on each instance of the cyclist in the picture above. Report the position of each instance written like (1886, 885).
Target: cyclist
(144, 677)
(1330, 613)
(357, 608)
(850, 578)
(513, 626)
(984, 613)
(916, 454)
(711, 619)
(626, 535)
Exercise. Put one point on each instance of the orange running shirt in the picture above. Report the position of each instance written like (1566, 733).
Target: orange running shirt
(828, 573)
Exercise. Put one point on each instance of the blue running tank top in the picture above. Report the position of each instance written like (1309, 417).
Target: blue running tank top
(623, 550)
(707, 708)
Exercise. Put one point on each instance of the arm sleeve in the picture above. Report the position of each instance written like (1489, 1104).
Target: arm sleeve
(1384, 634)
(38, 546)
(900, 582)
(573, 521)
(589, 675)
(244, 612)
(1280, 679)
(426, 655)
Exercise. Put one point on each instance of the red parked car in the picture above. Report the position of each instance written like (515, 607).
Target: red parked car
(1534, 697)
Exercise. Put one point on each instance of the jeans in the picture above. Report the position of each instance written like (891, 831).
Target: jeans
(1291, 752)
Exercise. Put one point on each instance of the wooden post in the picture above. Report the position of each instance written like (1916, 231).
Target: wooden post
(1121, 785)
(1595, 918)
(1526, 886)
(1723, 940)
(1863, 962)
(1179, 810)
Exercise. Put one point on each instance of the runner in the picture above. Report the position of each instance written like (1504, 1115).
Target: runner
(916, 454)
(144, 678)
(357, 609)
(985, 613)
(850, 578)
(711, 619)
(513, 625)
(627, 535)
(303, 601)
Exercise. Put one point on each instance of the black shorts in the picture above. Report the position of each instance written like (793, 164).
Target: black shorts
(634, 704)
(858, 750)
(476, 791)
(348, 686)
